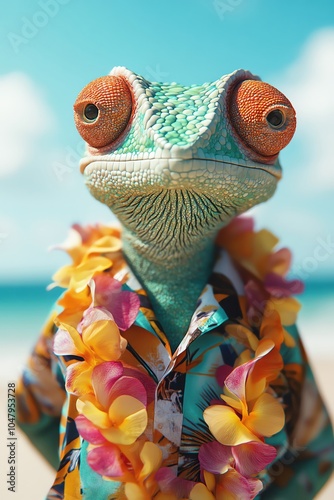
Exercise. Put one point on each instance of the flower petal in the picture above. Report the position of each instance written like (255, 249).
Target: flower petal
(201, 492)
(234, 486)
(104, 377)
(226, 427)
(125, 309)
(171, 484)
(103, 339)
(271, 328)
(222, 372)
(267, 416)
(265, 370)
(105, 244)
(242, 334)
(79, 378)
(145, 379)
(67, 341)
(280, 261)
(73, 304)
(215, 457)
(280, 287)
(88, 408)
(151, 456)
(106, 461)
(129, 386)
(236, 237)
(124, 305)
(88, 431)
(86, 270)
(134, 492)
(236, 381)
(128, 418)
(94, 314)
(251, 458)
(62, 277)
(286, 307)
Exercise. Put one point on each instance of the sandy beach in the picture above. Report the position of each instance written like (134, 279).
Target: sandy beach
(34, 476)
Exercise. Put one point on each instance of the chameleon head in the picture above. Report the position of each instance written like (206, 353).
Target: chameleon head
(184, 157)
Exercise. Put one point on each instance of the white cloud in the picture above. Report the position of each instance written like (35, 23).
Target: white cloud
(309, 85)
(24, 118)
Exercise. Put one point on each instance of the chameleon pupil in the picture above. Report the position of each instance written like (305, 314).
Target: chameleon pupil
(275, 118)
(91, 112)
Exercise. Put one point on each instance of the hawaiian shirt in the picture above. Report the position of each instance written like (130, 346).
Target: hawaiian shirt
(188, 394)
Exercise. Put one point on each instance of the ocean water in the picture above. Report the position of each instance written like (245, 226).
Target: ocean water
(25, 307)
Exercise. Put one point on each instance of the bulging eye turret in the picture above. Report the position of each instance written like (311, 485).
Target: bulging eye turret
(103, 110)
(262, 117)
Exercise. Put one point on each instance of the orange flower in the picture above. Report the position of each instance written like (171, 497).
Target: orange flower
(252, 250)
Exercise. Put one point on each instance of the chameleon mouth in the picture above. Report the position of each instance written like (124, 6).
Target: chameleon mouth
(194, 167)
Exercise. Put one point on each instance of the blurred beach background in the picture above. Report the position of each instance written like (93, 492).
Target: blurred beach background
(50, 49)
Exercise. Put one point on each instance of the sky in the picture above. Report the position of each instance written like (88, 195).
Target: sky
(50, 49)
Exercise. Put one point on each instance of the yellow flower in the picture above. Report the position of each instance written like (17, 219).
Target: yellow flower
(145, 485)
(287, 308)
(252, 413)
(78, 277)
(99, 341)
(117, 406)
(93, 250)
(120, 422)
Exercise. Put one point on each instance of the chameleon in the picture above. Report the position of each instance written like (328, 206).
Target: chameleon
(199, 154)
(177, 165)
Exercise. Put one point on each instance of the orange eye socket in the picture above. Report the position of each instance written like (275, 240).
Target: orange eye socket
(103, 110)
(262, 117)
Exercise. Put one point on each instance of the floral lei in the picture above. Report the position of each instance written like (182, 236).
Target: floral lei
(115, 401)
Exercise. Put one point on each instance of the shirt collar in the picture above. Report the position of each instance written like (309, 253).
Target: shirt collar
(217, 303)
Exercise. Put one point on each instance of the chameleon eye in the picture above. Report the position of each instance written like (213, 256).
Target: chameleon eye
(262, 117)
(102, 110)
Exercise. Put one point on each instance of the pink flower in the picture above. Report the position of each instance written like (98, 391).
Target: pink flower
(117, 409)
(247, 459)
(123, 304)
(107, 460)
(279, 287)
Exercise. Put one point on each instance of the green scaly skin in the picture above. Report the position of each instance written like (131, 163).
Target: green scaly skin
(176, 179)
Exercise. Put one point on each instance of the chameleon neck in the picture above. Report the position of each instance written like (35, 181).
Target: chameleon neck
(166, 285)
